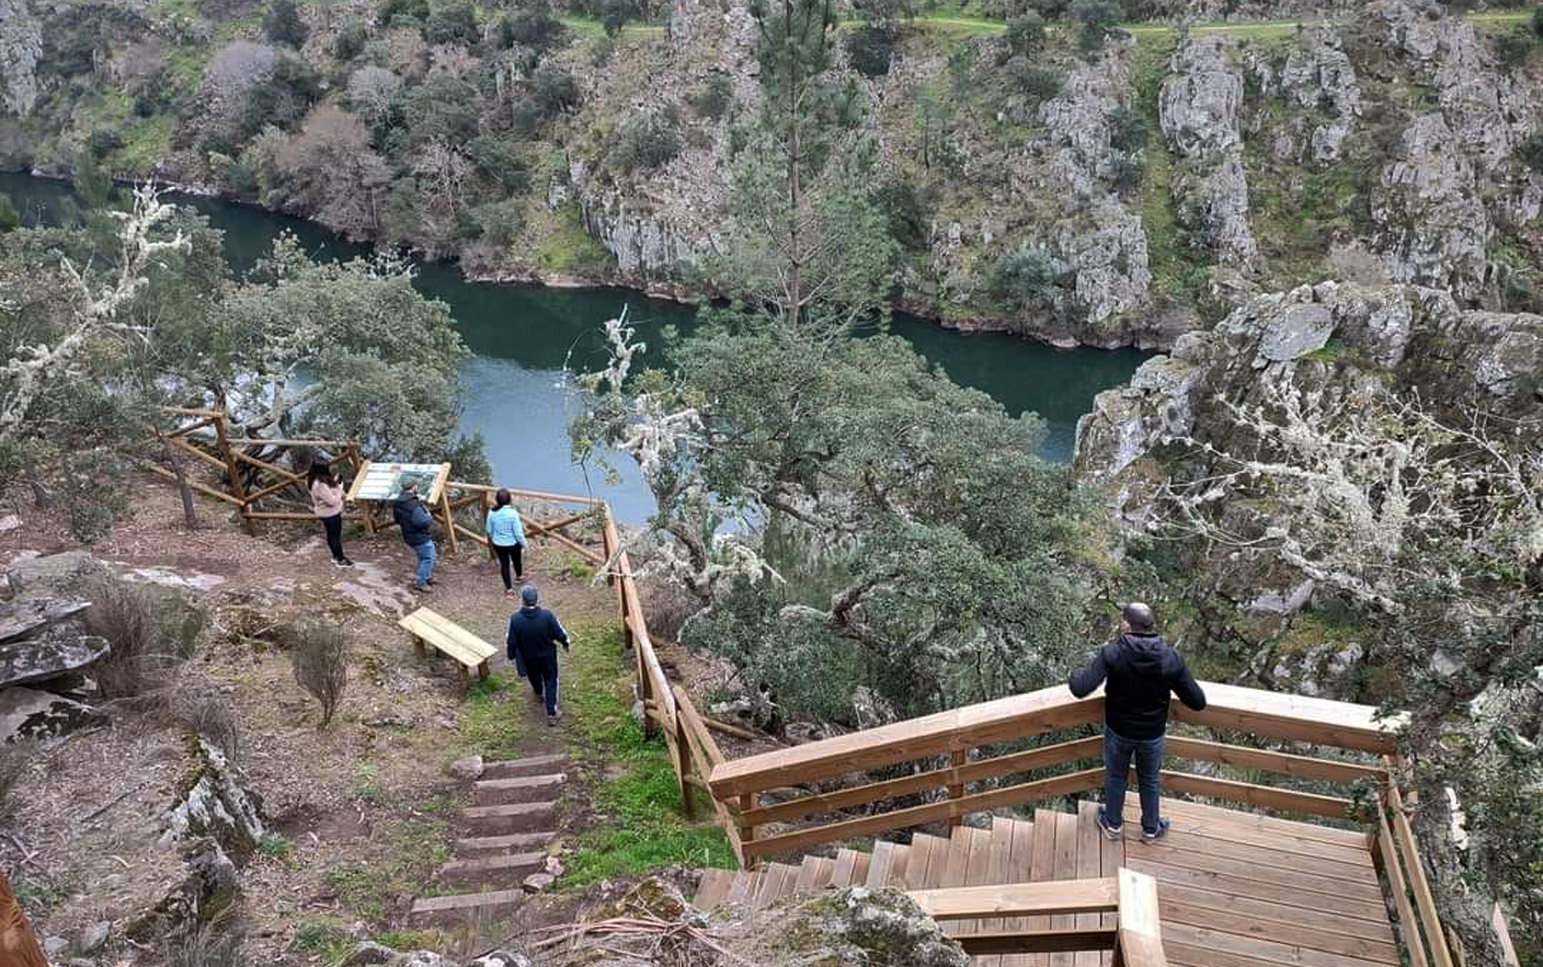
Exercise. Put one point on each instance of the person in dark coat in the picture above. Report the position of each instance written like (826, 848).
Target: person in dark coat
(1139, 672)
(534, 634)
(417, 526)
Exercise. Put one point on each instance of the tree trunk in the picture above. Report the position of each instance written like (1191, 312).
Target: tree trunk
(189, 512)
(18, 945)
(795, 162)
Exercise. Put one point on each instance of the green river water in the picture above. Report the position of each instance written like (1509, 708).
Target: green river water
(521, 337)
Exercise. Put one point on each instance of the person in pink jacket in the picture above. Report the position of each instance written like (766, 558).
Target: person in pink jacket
(327, 502)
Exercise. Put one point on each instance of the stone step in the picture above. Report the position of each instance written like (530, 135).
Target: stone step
(505, 870)
(459, 908)
(491, 792)
(514, 842)
(518, 817)
(533, 766)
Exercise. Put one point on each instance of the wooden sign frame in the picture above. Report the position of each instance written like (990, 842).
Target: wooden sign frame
(438, 497)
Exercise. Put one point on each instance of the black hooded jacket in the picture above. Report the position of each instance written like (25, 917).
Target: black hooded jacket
(1142, 671)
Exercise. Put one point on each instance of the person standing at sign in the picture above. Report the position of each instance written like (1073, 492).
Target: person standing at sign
(327, 503)
(507, 538)
(417, 524)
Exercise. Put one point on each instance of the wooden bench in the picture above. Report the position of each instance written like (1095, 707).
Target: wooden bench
(431, 628)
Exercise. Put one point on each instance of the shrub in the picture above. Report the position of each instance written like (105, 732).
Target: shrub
(904, 213)
(649, 140)
(870, 48)
(1097, 18)
(554, 90)
(500, 222)
(1515, 47)
(1127, 129)
(122, 614)
(350, 41)
(1022, 278)
(411, 10)
(15, 757)
(1025, 34)
(452, 23)
(201, 947)
(283, 99)
(1531, 151)
(533, 27)
(319, 656)
(282, 23)
(715, 97)
(499, 160)
(104, 140)
(196, 704)
(884, 11)
(1039, 83)
(144, 106)
(1128, 173)
(1537, 21)
(9, 217)
(614, 14)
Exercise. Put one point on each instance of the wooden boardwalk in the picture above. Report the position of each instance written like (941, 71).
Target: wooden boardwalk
(1234, 889)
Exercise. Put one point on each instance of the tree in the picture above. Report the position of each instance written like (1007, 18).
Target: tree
(1430, 529)
(452, 22)
(9, 217)
(1025, 34)
(1022, 278)
(68, 329)
(614, 14)
(649, 140)
(869, 49)
(282, 23)
(93, 185)
(1098, 18)
(531, 26)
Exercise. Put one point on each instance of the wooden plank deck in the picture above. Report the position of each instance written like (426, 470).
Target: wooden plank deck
(1234, 889)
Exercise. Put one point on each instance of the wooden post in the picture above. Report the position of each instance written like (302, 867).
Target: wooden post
(237, 488)
(18, 945)
(747, 803)
(485, 500)
(444, 507)
(419, 647)
(684, 745)
(956, 790)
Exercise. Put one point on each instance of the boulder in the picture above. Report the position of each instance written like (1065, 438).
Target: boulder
(500, 958)
(421, 958)
(27, 713)
(219, 804)
(54, 573)
(368, 954)
(30, 614)
(538, 882)
(468, 769)
(92, 937)
(30, 660)
(206, 891)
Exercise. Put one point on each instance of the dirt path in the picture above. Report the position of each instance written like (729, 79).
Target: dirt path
(362, 812)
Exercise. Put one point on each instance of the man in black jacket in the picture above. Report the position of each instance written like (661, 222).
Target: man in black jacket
(417, 526)
(534, 634)
(1142, 671)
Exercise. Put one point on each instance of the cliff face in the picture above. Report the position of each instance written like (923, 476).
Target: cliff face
(1168, 175)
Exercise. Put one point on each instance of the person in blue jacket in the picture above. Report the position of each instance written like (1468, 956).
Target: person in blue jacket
(534, 634)
(417, 533)
(507, 538)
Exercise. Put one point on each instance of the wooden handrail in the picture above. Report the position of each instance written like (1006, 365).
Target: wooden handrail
(1271, 714)
(1136, 938)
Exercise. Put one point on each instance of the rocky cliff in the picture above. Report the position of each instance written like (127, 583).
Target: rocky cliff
(1168, 175)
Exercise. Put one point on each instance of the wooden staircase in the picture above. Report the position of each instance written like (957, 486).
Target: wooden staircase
(1234, 889)
(508, 831)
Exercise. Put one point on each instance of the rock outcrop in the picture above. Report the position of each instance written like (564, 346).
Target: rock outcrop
(27, 713)
(1330, 338)
(218, 804)
(1199, 115)
(21, 48)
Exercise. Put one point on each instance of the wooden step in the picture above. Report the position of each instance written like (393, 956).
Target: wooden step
(744, 887)
(533, 766)
(778, 881)
(879, 866)
(492, 792)
(814, 874)
(846, 866)
(522, 817)
(713, 887)
(461, 907)
(503, 870)
(514, 842)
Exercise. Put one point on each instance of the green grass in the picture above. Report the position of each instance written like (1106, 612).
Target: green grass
(325, 937)
(591, 27)
(490, 720)
(406, 856)
(39, 895)
(412, 939)
(573, 250)
(640, 823)
(275, 845)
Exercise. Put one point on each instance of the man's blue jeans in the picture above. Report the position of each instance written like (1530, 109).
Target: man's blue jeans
(425, 552)
(1148, 754)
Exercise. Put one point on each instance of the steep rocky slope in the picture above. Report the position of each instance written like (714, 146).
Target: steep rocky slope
(1168, 175)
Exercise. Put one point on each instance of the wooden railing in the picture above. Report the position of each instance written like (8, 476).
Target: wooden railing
(1133, 934)
(957, 734)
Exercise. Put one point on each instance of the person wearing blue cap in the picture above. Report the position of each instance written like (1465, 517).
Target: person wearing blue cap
(534, 634)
